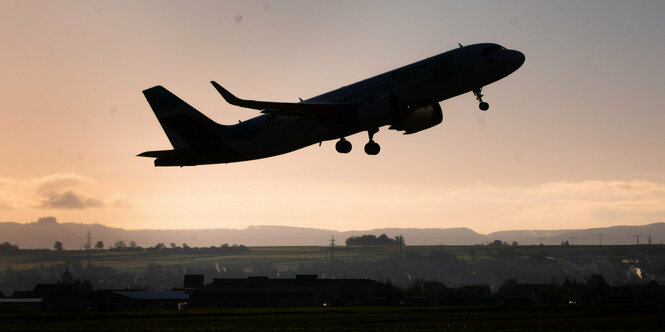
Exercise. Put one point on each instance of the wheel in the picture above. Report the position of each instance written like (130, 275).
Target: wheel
(484, 106)
(372, 148)
(343, 146)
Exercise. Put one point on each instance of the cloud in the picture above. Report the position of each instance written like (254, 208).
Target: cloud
(57, 182)
(69, 200)
(55, 191)
(557, 205)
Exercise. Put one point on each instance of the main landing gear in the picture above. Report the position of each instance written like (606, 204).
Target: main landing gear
(343, 146)
(371, 148)
(479, 96)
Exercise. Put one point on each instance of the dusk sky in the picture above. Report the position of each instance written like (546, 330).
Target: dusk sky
(573, 139)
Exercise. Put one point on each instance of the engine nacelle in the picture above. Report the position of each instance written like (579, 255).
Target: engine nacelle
(377, 112)
(420, 119)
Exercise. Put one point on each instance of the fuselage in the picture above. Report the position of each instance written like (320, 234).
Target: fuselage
(410, 87)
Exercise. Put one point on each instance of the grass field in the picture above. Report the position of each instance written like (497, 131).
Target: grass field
(288, 258)
(559, 318)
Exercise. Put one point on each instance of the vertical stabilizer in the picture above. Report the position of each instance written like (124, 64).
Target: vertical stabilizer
(185, 127)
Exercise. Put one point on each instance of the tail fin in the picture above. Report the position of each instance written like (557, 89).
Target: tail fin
(185, 127)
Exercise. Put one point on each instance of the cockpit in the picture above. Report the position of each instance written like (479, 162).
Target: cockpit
(487, 51)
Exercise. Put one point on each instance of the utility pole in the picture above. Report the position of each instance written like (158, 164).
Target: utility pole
(88, 242)
(649, 239)
(600, 239)
(540, 239)
(332, 248)
(401, 245)
(572, 238)
(638, 239)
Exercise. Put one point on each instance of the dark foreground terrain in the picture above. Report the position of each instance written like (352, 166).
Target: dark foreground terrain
(511, 318)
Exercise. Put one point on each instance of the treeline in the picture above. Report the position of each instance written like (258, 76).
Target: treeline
(173, 248)
(372, 240)
(7, 248)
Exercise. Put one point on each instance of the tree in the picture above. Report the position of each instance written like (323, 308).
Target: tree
(8, 247)
(57, 246)
(160, 246)
(99, 245)
(496, 243)
(173, 245)
(120, 245)
(132, 245)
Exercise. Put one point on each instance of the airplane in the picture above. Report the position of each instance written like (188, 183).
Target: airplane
(407, 99)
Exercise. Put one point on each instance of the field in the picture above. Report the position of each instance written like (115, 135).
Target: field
(288, 258)
(559, 318)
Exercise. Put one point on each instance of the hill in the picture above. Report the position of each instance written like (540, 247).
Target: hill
(44, 232)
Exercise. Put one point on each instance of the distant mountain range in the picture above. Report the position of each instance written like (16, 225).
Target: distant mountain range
(46, 231)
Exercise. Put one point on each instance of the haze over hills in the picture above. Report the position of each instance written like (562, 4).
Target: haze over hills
(46, 231)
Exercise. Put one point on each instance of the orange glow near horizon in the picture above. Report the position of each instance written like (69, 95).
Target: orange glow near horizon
(573, 139)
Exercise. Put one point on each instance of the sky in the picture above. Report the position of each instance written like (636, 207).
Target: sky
(573, 139)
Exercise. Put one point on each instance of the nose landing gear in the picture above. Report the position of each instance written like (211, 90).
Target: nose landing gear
(479, 96)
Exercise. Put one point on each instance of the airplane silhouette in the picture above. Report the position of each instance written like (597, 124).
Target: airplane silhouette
(407, 99)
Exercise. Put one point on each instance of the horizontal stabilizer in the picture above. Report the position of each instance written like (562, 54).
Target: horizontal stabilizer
(191, 157)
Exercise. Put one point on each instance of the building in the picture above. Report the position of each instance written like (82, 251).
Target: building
(303, 291)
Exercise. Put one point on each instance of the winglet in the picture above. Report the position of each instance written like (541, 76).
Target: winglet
(228, 96)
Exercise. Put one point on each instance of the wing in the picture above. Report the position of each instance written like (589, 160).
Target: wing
(288, 109)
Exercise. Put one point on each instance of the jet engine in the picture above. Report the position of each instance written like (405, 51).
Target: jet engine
(418, 120)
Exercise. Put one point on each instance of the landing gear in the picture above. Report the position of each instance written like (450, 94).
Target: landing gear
(343, 146)
(479, 96)
(372, 148)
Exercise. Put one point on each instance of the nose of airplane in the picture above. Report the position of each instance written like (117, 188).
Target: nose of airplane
(518, 58)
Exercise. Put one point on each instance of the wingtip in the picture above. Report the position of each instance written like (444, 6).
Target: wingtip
(228, 96)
